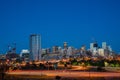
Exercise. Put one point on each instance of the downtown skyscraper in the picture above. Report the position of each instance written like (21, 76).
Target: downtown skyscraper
(35, 47)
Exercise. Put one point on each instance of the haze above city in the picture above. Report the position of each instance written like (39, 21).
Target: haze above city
(77, 22)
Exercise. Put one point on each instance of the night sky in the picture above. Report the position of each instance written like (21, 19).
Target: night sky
(77, 22)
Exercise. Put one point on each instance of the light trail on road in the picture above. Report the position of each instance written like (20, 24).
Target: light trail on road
(65, 73)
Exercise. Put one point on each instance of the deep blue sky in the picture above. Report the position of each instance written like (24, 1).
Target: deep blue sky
(75, 21)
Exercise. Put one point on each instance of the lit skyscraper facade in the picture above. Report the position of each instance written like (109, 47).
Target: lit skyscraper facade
(35, 47)
(94, 48)
(104, 45)
(65, 45)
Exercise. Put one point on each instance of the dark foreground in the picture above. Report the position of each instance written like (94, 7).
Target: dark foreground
(26, 77)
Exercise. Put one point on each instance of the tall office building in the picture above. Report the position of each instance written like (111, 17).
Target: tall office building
(55, 49)
(35, 47)
(93, 45)
(104, 45)
(101, 52)
(69, 51)
(65, 45)
(94, 48)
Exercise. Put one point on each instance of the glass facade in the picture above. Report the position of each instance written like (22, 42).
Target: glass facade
(35, 47)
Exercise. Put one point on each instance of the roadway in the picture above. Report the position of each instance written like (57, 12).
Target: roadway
(64, 73)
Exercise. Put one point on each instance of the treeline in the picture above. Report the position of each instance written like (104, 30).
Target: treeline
(101, 63)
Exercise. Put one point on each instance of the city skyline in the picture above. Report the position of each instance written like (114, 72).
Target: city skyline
(35, 45)
(76, 22)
